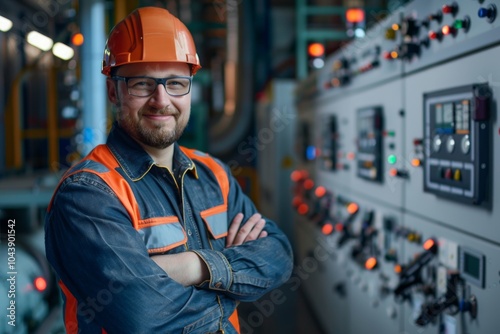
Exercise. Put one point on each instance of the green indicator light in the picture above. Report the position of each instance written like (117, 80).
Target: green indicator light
(459, 24)
(391, 159)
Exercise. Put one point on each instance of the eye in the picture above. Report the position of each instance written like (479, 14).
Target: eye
(141, 83)
(177, 83)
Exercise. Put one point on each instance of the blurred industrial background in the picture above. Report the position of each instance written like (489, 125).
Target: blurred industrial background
(367, 129)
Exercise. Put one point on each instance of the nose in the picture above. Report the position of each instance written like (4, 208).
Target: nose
(160, 97)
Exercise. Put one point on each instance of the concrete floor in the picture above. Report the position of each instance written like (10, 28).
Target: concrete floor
(282, 311)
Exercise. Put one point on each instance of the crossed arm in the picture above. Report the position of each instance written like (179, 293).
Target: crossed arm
(188, 268)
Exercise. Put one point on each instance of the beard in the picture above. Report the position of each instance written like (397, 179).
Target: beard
(160, 136)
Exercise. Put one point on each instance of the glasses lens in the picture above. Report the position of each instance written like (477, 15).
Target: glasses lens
(178, 86)
(141, 86)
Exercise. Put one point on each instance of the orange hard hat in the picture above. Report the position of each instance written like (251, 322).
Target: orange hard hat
(149, 34)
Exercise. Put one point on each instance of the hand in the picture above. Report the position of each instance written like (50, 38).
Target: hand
(252, 230)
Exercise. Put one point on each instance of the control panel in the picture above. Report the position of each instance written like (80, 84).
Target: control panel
(457, 141)
(402, 194)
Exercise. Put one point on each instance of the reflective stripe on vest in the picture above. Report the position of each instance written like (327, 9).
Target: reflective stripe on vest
(167, 230)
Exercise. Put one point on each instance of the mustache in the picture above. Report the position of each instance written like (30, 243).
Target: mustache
(163, 111)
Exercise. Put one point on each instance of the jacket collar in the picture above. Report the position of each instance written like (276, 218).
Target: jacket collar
(135, 161)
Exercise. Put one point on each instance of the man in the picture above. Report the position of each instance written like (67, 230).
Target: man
(147, 236)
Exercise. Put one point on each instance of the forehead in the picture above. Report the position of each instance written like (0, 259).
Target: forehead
(155, 69)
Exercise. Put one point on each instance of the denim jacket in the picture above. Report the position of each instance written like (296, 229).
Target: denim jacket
(110, 283)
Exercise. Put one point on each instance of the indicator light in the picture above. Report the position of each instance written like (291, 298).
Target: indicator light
(296, 201)
(350, 156)
(390, 34)
(389, 133)
(393, 172)
(295, 176)
(457, 175)
(352, 208)
(429, 244)
(395, 26)
(415, 162)
(371, 263)
(40, 284)
(394, 55)
(450, 9)
(320, 191)
(355, 15)
(435, 35)
(77, 39)
(310, 152)
(327, 229)
(308, 184)
(448, 30)
(316, 49)
(339, 227)
(398, 269)
(391, 159)
(462, 24)
(387, 55)
(303, 209)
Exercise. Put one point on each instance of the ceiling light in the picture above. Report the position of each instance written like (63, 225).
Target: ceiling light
(40, 41)
(5, 24)
(63, 51)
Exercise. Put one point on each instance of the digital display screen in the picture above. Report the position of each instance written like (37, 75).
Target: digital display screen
(472, 265)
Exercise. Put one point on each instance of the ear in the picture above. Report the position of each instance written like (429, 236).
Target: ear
(112, 89)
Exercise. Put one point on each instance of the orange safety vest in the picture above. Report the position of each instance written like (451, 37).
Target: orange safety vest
(121, 188)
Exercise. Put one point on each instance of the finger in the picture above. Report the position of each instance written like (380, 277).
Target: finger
(246, 229)
(255, 232)
(263, 234)
(233, 229)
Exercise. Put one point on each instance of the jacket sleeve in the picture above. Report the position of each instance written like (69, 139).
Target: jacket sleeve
(248, 271)
(96, 253)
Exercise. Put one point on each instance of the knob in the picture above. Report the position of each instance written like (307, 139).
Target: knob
(438, 17)
(490, 13)
(409, 27)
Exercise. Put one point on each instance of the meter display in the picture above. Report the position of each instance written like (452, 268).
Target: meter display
(457, 140)
(369, 156)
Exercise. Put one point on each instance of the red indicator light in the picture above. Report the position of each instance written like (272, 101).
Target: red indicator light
(355, 15)
(352, 208)
(303, 209)
(308, 184)
(428, 244)
(387, 55)
(327, 229)
(316, 49)
(40, 284)
(398, 269)
(339, 227)
(393, 172)
(433, 35)
(320, 191)
(370, 263)
(296, 175)
(296, 201)
(350, 156)
(450, 9)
